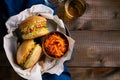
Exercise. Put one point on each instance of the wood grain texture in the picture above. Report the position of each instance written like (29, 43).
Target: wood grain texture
(96, 49)
(3, 59)
(88, 73)
(7, 73)
(97, 42)
(99, 15)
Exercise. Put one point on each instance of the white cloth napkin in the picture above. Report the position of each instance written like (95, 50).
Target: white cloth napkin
(10, 44)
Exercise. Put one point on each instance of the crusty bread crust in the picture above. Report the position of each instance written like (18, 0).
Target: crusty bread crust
(32, 20)
(33, 27)
(25, 50)
(34, 57)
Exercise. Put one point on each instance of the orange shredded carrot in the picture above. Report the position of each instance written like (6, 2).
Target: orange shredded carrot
(56, 45)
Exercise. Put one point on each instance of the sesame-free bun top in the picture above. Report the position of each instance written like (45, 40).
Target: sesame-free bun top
(28, 53)
(33, 20)
(33, 27)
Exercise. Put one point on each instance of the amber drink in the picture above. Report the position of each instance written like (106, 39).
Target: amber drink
(74, 8)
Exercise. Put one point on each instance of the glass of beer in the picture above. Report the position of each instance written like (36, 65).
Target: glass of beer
(74, 8)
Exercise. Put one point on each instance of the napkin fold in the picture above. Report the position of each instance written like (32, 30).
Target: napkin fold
(10, 44)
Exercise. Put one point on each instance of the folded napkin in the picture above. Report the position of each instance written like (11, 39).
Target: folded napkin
(10, 44)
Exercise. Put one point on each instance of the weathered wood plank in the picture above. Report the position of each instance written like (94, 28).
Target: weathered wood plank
(99, 15)
(96, 48)
(3, 59)
(7, 73)
(94, 73)
(92, 48)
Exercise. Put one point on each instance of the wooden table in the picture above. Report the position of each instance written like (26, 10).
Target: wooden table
(96, 34)
(97, 43)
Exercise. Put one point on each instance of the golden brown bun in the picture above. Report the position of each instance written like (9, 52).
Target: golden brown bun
(28, 53)
(33, 27)
(102, 71)
(32, 20)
